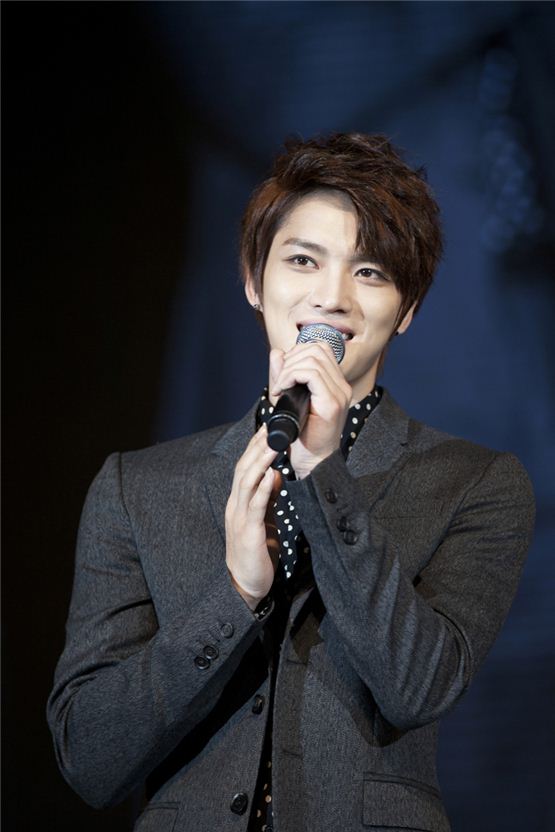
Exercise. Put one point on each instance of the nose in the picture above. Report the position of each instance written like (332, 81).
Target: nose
(333, 292)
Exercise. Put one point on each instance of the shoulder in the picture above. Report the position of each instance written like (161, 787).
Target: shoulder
(166, 462)
(446, 465)
(467, 465)
(155, 470)
(176, 451)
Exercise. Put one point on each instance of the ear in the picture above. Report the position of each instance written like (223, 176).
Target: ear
(250, 292)
(406, 321)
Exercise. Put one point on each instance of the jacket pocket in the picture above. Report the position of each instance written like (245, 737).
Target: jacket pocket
(396, 803)
(160, 817)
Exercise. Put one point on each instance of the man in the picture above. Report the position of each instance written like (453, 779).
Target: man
(270, 639)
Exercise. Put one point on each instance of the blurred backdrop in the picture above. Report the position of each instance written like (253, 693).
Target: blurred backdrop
(133, 135)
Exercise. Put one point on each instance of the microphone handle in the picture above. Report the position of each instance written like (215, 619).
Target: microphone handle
(289, 417)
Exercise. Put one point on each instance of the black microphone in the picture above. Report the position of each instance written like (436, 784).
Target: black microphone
(291, 411)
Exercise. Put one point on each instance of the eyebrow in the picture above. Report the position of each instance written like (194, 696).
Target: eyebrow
(318, 249)
(296, 241)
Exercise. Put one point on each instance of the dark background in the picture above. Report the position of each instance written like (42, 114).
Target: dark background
(132, 136)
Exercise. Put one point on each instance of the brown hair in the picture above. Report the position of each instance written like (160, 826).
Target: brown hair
(398, 216)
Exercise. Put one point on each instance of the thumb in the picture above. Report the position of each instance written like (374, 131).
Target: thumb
(276, 364)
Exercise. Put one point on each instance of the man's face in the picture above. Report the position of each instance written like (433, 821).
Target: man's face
(314, 274)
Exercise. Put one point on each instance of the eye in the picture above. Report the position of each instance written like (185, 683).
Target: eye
(373, 274)
(301, 260)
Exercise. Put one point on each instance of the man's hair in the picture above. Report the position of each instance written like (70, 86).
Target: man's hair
(398, 218)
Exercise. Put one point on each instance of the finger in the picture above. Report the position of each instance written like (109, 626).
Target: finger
(319, 352)
(265, 493)
(320, 382)
(246, 461)
(314, 356)
(248, 483)
(258, 504)
(320, 348)
(257, 443)
(248, 477)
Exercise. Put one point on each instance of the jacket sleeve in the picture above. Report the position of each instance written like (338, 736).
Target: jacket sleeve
(127, 691)
(417, 640)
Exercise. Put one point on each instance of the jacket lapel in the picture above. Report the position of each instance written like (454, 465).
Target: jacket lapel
(220, 465)
(382, 440)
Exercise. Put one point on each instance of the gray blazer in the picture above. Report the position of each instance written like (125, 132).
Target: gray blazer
(163, 658)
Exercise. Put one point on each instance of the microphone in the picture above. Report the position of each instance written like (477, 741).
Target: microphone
(291, 411)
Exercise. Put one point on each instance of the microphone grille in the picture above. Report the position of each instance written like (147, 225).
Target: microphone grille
(324, 332)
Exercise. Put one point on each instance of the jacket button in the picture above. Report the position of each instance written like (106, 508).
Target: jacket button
(227, 629)
(330, 496)
(210, 652)
(342, 524)
(239, 803)
(350, 537)
(201, 662)
(258, 704)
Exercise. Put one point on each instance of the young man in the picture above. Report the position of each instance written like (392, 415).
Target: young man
(270, 639)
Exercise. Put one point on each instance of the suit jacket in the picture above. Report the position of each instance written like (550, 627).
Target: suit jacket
(163, 657)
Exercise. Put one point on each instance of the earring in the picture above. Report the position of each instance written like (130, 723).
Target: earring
(256, 307)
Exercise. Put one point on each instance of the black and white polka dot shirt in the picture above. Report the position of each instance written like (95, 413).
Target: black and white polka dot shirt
(293, 568)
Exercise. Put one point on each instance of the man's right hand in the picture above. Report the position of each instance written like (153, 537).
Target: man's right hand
(251, 541)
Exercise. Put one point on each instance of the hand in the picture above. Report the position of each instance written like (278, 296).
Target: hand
(313, 364)
(252, 547)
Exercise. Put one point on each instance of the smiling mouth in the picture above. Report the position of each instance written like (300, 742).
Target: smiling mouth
(346, 334)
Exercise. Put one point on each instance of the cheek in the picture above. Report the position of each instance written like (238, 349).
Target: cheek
(379, 315)
(280, 293)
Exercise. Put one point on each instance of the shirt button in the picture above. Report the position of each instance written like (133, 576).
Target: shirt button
(201, 662)
(330, 496)
(239, 803)
(258, 704)
(210, 652)
(350, 537)
(342, 524)
(227, 629)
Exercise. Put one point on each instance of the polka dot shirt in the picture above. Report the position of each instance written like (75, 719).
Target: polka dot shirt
(293, 567)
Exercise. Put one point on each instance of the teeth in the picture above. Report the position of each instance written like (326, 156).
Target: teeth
(346, 336)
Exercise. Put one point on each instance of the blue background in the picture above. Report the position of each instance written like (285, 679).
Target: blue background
(135, 134)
